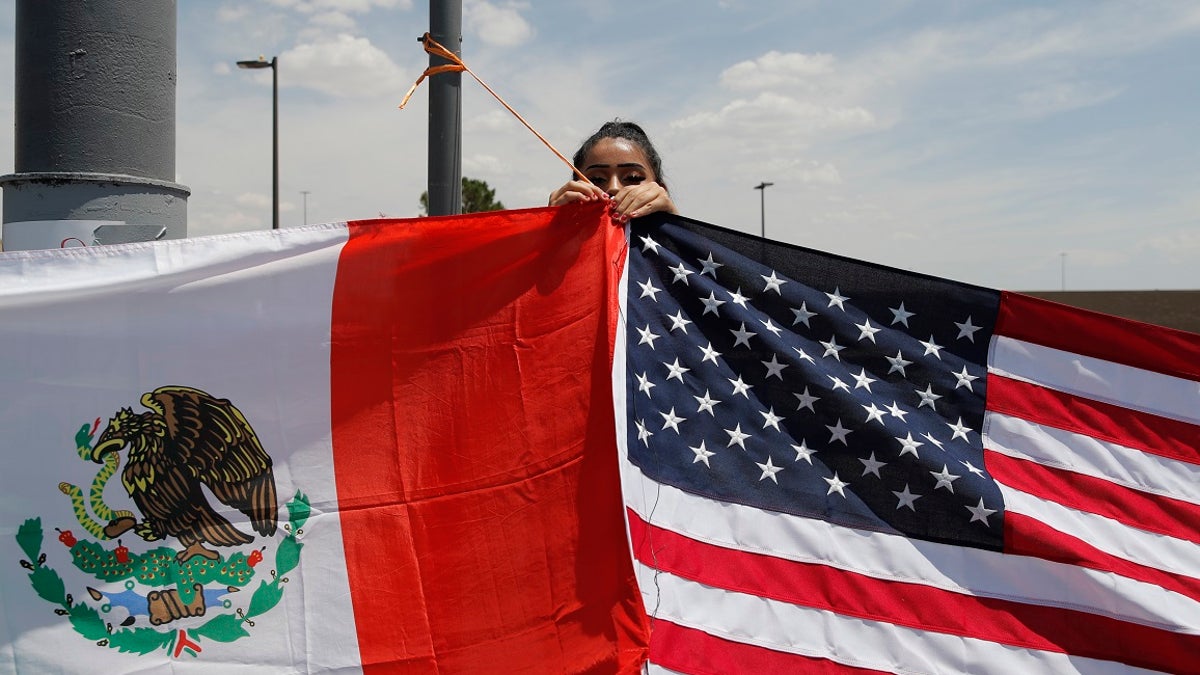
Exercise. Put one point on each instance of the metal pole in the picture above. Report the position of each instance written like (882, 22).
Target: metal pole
(1064, 270)
(274, 142)
(762, 191)
(304, 196)
(445, 113)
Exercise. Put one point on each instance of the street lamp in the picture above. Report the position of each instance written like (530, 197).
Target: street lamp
(762, 189)
(262, 62)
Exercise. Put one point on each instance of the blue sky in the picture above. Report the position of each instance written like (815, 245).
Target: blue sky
(976, 141)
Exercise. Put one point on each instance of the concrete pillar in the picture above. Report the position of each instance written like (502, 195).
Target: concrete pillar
(95, 116)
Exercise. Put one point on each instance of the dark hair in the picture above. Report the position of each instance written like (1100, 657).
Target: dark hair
(627, 131)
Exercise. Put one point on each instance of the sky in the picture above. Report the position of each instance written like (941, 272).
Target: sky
(1014, 145)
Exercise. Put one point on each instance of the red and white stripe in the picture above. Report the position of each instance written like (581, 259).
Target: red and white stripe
(1098, 457)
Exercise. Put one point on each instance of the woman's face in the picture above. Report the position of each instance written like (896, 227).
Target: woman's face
(614, 163)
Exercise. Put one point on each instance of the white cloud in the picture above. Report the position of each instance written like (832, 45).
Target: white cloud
(770, 112)
(345, 6)
(231, 13)
(499, 25)
(253, 199)
(338, 21)
(344, 67)
(775, 69)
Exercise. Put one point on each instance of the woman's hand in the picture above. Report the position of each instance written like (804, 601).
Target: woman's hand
(576, 191)
(635, 201)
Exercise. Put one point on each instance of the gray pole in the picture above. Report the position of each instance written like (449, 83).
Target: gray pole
(274, 142)
(304, 195)
(445, 113)
(762, 192)
(95, 117)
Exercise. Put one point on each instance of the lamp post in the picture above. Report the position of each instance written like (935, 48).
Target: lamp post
(762, 190)
(256, 64)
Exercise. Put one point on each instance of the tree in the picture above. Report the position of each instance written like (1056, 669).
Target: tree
(476, 197)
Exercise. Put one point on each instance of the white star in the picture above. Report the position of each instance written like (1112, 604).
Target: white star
(873, 413)
(927, 397)
(872, 465)
(644, 434)
(832, 348)
(979, 512)
(769, 470)
(803, 452)
(774, 367)
(906, 498)
(803, 355)
(649, 243)
(736, 437)
(910, 445)
(838, 384)
(972, 468)
(861, 380)
(702, 454)
(806, 400)
(681, 273)
(743, 336)
(647, 336)
(737, 298)
(710, 265)
(710, 354)
(677, 321)
(644, 384)
(944, 478)
(966, 330)
(835, 485)
(671, 420)
(867, 331)
(773, 282)
(772, 327)
(895, 411)
(740, 387)
(771, 419)
(929, 437)
(649, 289)
(836, 298)
(899, 315)
(711, 303)
(803, 315)
(676, 370)
(960, 430)
(706, 403)
(839, 433)
(898, 363)
(964, 379)
(931, 347)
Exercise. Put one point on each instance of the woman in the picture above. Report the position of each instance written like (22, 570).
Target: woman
(622, 165)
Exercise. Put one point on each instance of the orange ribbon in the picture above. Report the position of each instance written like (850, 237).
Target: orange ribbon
(457, 65)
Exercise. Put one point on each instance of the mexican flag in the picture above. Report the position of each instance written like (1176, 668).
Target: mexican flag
(376, 446)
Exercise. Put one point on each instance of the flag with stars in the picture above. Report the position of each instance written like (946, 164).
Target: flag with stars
(830, 465)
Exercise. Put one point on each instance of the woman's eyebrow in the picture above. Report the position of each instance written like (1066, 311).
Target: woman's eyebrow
(626, 165)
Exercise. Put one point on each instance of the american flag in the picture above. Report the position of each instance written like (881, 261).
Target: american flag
(835, 466)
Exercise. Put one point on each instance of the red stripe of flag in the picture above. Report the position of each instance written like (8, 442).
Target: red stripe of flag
(689, 650)
(1142, 510)
(911, 604)
(1024, 535)
(473, 431)
(1133, 343)
(1151, 433)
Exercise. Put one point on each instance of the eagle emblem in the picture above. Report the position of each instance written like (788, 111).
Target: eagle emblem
(197, 473)
(191, 439)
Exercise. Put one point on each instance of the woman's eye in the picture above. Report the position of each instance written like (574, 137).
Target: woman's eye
(596, 180)
(634, 179)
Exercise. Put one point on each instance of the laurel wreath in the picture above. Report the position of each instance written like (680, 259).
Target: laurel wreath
(90, 624)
